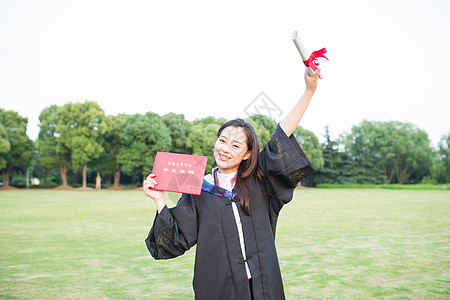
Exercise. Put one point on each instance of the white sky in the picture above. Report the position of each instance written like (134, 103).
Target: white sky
(389, 60)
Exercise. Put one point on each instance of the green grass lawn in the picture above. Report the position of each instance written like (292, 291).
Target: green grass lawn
(332, 244)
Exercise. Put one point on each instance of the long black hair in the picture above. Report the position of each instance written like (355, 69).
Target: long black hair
(248, 167)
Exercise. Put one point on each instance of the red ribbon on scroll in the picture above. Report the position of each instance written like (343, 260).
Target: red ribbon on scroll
(312, 61)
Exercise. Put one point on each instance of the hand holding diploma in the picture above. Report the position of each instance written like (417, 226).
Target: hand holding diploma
(310, 61)
(157, 196)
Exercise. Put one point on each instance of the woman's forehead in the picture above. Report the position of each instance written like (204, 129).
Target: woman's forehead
(234, 133)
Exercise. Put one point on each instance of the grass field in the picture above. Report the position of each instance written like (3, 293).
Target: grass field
(332, 244)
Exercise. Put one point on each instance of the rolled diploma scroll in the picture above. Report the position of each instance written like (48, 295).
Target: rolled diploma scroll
(302, 50)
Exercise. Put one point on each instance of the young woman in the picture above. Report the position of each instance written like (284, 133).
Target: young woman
(233, 220)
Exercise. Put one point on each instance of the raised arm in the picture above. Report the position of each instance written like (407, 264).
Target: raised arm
(295, 115)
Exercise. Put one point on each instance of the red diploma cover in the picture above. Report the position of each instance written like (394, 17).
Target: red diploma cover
(180, 173)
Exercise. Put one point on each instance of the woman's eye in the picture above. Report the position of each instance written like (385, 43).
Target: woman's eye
(235, 146)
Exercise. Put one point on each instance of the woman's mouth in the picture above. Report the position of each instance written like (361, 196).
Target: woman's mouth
(223, 157)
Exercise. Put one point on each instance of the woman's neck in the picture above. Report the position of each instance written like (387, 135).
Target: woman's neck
(226, 171)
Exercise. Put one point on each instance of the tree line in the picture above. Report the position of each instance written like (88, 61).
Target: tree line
(77, 140)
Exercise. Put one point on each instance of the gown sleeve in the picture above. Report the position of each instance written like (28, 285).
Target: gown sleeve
(174, 230)
(284, 165)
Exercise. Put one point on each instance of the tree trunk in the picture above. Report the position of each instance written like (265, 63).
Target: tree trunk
(28, 179)
(400, 180)
(63, 171)
(84, 175)
(401, 175)
(6, 180)
(117, 177)
(387, 176)
(5, 177)
(117, 171)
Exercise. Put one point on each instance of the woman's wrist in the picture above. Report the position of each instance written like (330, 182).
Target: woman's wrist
(160, 203)
(309, 92)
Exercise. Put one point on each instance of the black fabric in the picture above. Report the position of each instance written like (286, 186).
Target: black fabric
(208, 221)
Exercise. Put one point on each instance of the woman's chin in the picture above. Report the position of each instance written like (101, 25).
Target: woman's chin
(224, 167)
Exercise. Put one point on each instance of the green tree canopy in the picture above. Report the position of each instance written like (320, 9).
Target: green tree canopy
(144, 135)
(310, 145)
(264, 127)
(331, 171)
(178, 128)
(81, 127)
(112, 143)
(441, 161)
(366, 167)
(52, 149)
(202, 137)
(401, 148)
(77, 133)
(5, 146)
(21, 147)
(266, 122)
(444, 152)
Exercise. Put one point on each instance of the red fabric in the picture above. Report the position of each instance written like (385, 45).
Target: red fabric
(312, 61)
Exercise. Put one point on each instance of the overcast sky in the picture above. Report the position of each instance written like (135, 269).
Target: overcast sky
(389, 60)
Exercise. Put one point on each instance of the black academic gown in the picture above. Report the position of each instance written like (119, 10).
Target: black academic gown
(208, 221)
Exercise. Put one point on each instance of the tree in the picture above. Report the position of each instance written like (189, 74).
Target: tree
(331, 170)
(265, 121)
(178, 128)
(37, 168)
(403, 146)
(81, 128)
(5, 146)
(112, 143)
(264, 127)
(411, 150)
(144, 135)
(261, 131)
(444, 152)
(202, 137)
(310, 145)
(402, 150)
(53, 151)
(21, 147)
(441, 161)
(365, 166)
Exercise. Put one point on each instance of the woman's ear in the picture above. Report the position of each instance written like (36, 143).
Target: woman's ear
(247, 155)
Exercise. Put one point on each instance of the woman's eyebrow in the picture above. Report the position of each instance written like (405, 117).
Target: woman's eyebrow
(225, 136)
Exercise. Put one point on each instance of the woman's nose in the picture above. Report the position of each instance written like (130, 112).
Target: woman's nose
(225, 148)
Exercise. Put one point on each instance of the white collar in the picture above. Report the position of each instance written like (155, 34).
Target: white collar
(228, 176)
(225, 181)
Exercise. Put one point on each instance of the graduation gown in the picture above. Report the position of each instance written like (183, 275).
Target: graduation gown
(208, 221)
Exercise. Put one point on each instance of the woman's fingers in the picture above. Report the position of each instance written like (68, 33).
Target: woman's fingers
(311, 81)
(317, 75)
(150, 183)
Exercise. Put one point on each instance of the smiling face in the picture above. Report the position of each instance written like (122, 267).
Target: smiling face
(230, 149)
